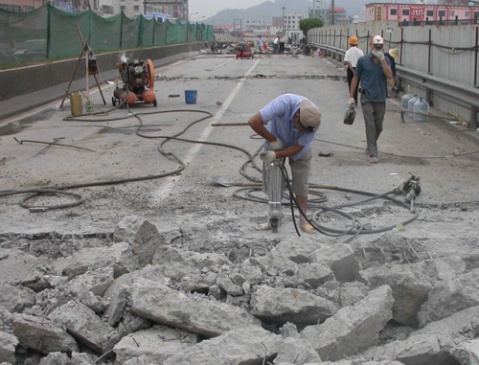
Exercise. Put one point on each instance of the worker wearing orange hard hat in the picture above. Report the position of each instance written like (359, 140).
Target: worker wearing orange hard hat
(350, 59)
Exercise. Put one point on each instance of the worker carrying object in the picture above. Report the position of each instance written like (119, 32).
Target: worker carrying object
(351, 58)
(288, 124)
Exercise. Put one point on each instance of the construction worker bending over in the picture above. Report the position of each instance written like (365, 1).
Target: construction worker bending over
(288, 124)
(373, 69)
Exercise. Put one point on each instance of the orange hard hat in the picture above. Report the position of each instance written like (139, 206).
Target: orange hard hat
(353, 40)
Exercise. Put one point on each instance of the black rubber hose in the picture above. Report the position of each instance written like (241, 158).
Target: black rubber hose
(43, 208)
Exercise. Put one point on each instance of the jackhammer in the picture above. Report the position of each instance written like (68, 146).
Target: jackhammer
(411, 188)
(275, 193)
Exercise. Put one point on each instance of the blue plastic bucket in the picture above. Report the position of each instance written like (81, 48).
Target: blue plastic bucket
(190, 96)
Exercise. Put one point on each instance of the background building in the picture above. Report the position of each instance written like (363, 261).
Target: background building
(173, 8)
(421, 12)
(20, 5)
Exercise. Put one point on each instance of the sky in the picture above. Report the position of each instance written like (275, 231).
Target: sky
(208, 8)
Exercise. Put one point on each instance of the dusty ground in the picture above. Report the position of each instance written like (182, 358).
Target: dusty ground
(119, 163)
(110, 147)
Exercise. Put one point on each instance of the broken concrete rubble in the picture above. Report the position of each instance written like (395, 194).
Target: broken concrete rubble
(85, 326)
(118, 256)
(410, 287)
(16, 298)
(467, 352)
(192, 313)
(8, 343)
(243, 345)
(42, 335)
(281, 305)
(111, 304)
(432, 344)
(19, 268)
(352, 329)
(154, 345)
(450, 296)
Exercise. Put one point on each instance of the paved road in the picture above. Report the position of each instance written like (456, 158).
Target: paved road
(116, 145)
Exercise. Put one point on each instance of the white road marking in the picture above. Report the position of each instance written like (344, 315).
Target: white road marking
(169, 182)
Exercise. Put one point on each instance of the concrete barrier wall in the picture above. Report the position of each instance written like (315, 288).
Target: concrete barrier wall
(26, 80)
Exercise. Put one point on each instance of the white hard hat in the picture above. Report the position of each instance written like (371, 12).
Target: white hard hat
(378, 40)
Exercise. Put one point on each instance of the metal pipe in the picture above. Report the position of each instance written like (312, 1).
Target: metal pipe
(475, 56)
(429, 44)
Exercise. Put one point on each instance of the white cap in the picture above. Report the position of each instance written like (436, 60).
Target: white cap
(310, 116)
(378, 40)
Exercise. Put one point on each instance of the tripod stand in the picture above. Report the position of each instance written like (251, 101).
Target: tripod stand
(91, 69)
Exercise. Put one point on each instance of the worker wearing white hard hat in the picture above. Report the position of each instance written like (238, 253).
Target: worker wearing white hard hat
(374, 70)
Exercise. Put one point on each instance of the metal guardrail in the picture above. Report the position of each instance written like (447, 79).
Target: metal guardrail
(463, 95)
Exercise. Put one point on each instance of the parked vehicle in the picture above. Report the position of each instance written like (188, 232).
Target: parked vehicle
(31, 50)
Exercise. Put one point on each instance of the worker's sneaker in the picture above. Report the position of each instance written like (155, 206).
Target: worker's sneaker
(373, 159)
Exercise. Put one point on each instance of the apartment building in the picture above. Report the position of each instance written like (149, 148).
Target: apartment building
(448, 10)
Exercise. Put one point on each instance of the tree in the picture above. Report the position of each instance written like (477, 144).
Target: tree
(310, 23)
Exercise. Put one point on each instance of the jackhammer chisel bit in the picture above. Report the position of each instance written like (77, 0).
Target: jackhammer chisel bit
(275, 192)
(412, 189)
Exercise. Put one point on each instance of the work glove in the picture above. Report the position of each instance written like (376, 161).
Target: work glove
(267, 156)
(351, 102)
(276, 145)
(378, 53)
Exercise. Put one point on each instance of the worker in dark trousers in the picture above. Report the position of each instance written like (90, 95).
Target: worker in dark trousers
(374, 70)
(351, 59)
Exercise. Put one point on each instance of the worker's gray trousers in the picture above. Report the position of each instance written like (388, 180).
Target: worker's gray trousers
(373, 120)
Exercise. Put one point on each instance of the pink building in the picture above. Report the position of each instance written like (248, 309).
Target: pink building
(420, 12)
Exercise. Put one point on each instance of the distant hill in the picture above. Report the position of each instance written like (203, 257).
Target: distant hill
(270, 9)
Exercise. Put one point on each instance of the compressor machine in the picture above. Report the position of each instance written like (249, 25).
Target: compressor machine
(138, 78)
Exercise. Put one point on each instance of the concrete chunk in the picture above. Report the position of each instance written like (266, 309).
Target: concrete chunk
(467, 352)
(8, 343)
(298, 251)
(352, 329)
(42, 335)
(55, 358)
(116, 308)
(281, 305)
(250, 345)
(296, 351)
(432, 344)
(409, 287)
(340, 258)
(196, 314)
(18, 267)
(177, 263)
(314, 274)
(142, 236)
(155, 344)
(96, 281)
(15, 298)
(450, 297)
(118, 256)
(83, 324)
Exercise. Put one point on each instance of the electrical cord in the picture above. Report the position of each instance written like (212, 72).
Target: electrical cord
(60, 189)
(321, 197)
(355, 229)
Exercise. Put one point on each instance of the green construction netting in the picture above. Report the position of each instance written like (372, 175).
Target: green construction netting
(49, 33)
(23, 35)
(159, 34)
